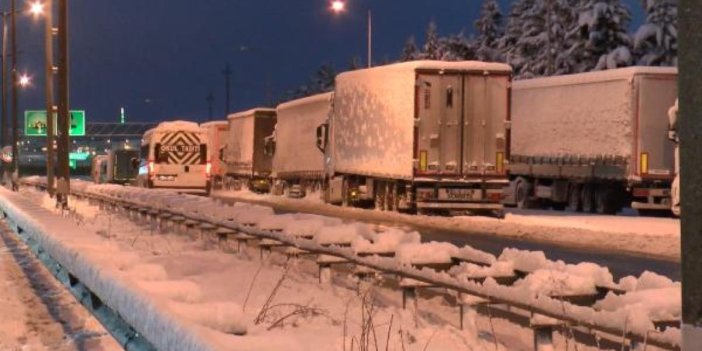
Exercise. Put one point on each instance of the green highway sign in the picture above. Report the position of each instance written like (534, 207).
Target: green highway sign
(35, 123)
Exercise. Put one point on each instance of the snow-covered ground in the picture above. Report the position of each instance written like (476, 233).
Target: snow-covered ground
(37, 313)
(222, 294)
(647, 236)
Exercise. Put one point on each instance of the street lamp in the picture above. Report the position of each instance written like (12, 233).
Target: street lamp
(25, 80)
(36, 8)
(339, 6)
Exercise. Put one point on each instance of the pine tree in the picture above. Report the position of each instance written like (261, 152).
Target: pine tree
(600, 39)
(510, 51)
(355, 63)
(489, 27)
(322, 81)
(457, 48)
(409, 51)
(656, 41)
(432, 46)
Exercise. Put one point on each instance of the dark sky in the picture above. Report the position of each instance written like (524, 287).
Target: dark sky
(161, 58)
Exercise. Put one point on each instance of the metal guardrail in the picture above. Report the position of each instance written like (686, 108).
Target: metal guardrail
(571, 314)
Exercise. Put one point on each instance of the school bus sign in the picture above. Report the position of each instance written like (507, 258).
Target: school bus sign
(35, 123)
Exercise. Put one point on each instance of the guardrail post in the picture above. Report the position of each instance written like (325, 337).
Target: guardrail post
(325, 273)
(543, 332)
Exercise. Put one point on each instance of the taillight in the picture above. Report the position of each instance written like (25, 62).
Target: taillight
(500, 161)
(208, 168)
(641, 192)
(644, 163)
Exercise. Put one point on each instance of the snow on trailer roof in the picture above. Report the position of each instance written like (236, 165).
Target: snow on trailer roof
(305, 100)
(214, 124)
(178, 125)
(592, 77)
(250, 112)
(413, 66)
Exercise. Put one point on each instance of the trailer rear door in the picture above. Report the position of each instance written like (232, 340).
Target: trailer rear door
(656, 153)
(484, 133)
(439, 103)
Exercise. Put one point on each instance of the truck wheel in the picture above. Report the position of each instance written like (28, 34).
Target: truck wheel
(345, 192)
(587, 197)
(605, 201)
(379, 197)
(574, 203)
(522, 195)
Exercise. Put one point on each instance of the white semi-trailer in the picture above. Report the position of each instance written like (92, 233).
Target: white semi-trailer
(174, 155)
(423, 135)
(217, 132)
(247, 161)
(298, 166)
(593, 142)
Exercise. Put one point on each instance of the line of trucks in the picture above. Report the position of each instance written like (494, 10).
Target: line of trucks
(430, 136)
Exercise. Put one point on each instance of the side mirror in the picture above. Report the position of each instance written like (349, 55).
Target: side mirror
(322, 136)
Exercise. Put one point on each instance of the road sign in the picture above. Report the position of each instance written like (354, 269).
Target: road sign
(35, 123)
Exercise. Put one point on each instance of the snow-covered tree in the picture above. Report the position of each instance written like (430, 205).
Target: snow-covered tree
(535, 41)
(656, 41)
(355, 63)
(509, 50)
(322, 81)
(600, 39)
(409, 51)
(489, 27)
(432, 45)
(457, 48)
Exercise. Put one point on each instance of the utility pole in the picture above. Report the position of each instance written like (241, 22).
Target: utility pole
(64, 175)
(5, 116)
(210, 99)
(370, 39)
(15, 149)
(49, 91)
(689, 131)
(227, 72)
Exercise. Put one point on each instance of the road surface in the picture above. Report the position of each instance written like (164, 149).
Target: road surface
(36, 312)
(620, 263)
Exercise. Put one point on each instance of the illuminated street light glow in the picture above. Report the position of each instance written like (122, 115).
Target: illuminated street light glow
(36, 8)
(338, 6)
(24, 80)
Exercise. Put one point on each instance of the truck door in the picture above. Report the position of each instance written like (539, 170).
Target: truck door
(656, 153)
(485, 111)
(439, 123)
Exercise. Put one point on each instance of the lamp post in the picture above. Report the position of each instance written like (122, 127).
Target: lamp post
(64, 176)
(49, 92)
(339, 6)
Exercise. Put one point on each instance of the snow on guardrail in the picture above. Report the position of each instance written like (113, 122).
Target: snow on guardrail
(632, 306)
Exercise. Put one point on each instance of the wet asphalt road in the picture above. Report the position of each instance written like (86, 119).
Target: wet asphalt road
(620, 265)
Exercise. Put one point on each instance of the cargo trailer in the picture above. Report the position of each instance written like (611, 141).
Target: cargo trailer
(422, 135)
(246, 158)
(217, 132)
(120, 169)
(593, 142)
(298, 166)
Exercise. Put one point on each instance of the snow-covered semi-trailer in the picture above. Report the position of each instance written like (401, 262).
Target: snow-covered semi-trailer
(247, 161)
(422, 135)
(298, 166)
(174, 155)
(593, 142)
(217, 132)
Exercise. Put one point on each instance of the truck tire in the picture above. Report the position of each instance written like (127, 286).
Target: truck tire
(574, 203)
(345, 192)
(587, 197)
(605, 201)
(522, 194)
(379, 197)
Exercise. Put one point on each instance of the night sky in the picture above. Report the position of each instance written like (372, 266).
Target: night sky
(160, 58)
